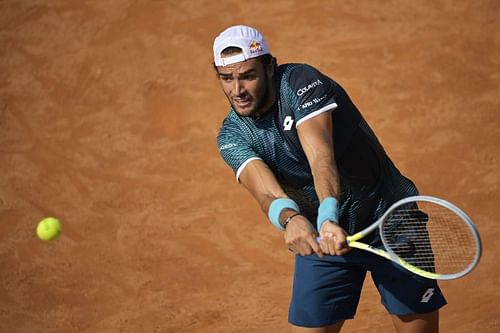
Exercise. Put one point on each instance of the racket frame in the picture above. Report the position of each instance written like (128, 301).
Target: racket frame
(389, 254)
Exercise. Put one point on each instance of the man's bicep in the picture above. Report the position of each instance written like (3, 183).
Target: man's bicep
(261, 182)
(316, 137)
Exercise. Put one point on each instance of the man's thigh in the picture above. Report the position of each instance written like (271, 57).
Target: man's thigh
(325, 291)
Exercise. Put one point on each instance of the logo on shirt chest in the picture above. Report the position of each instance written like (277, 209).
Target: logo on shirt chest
(288, 123)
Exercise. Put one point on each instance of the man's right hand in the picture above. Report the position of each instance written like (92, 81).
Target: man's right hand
(300, 237)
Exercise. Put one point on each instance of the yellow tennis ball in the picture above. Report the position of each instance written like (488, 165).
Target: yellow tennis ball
(49, 229)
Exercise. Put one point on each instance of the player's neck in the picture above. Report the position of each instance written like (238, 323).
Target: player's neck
(268, 106)
(265, 111)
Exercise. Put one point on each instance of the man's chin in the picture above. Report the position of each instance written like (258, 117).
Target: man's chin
(244, 111)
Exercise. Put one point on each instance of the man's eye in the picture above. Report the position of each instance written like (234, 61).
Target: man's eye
(226, 78)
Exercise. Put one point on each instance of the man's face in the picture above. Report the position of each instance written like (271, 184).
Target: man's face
(247, 87)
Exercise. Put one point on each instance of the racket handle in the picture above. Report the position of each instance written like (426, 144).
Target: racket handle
(319, 238)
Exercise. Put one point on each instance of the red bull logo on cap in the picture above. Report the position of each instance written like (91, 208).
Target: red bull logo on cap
(255, 47)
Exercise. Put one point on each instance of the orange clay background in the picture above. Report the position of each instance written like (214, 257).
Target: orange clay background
(109, 112)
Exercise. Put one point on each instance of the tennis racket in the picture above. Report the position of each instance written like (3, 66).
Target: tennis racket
(427, 236)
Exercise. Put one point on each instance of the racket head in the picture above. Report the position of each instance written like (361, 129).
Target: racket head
(431, 237)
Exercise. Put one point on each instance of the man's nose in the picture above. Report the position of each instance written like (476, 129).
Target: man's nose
(238, 87)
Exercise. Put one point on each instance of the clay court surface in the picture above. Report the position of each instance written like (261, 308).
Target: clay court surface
(109, 112)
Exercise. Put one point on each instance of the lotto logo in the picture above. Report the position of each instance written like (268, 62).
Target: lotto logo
(427, 295)
(287, 124)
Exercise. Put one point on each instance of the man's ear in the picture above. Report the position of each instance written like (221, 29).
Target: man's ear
(216, 71)
(271, 67)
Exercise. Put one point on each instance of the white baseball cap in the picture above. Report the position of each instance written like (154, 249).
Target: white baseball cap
(248, 39)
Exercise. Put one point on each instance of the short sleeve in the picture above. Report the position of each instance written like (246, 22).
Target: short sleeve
(234, 148)
(309, 92)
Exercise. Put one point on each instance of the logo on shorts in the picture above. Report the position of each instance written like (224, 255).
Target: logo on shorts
(287, 124)
(427, 295)
(255, 47)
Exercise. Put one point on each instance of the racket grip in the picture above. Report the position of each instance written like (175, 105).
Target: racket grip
(319, 238)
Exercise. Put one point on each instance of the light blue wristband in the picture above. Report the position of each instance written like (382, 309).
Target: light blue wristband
(277, 207)
(328, 211)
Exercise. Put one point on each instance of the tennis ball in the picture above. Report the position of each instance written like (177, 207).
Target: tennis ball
(49, 229)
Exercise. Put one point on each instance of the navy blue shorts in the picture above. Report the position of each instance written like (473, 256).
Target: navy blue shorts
(327, 290)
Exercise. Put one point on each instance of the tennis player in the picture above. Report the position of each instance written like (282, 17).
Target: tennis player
(300, 146)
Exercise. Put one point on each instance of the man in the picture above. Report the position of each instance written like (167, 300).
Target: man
(303, 150)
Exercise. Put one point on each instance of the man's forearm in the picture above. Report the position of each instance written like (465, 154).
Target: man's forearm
(326, 179)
